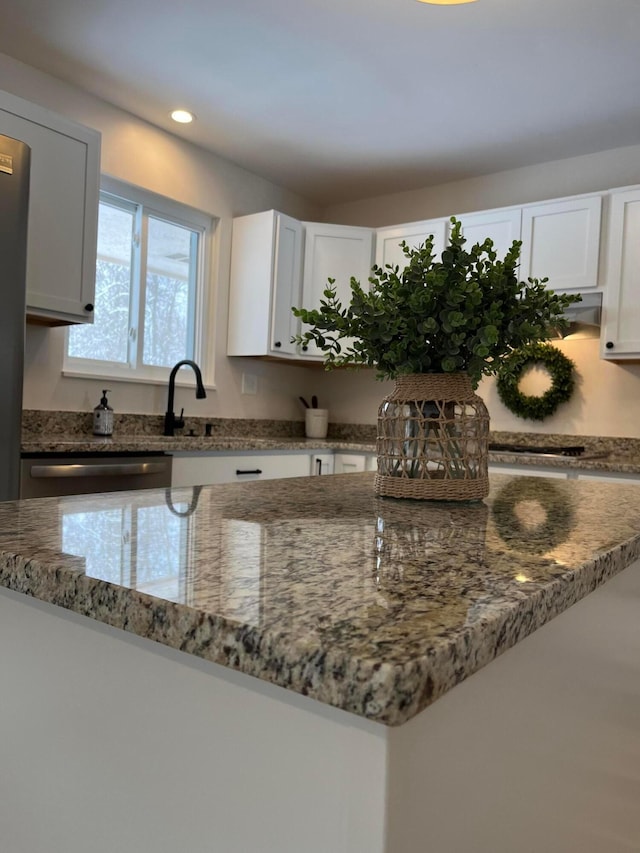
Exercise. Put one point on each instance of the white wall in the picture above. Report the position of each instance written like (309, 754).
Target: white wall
(618, 167)
(607, 400)
(141, 154)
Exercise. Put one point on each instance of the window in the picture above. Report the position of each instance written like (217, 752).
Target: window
(150, 300)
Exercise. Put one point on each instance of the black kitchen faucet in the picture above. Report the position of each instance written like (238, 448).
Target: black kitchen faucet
(171, 422)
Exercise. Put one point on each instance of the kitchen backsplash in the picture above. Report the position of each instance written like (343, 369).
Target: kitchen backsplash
(37, 422)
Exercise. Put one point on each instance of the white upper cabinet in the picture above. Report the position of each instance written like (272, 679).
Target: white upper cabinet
(502, 226)
(621, 321)
(278, 263)
(388, 240)
(338, 252)
(266, 279)
(561, 241)
(63, 211)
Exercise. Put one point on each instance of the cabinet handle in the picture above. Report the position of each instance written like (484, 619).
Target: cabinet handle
(609, 344)
(239, 472)
(305, 348)
(319, 465)
(88, 306)
(278, 344)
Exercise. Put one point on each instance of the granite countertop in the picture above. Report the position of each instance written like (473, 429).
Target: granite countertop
(373, 605)
(183, 444)
(626, 461)
(613, 462)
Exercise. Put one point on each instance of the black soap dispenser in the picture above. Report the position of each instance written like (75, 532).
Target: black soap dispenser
(103, 416)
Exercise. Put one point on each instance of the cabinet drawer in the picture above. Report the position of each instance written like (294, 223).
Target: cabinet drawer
(203, 469)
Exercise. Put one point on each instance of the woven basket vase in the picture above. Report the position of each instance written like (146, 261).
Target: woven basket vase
(433, 436)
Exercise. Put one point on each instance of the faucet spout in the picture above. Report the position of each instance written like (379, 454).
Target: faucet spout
(170, 420)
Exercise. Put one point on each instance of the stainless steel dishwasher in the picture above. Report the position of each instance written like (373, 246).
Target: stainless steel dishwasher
(45, 475)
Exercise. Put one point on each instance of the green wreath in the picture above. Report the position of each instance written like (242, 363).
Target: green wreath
(561, 370)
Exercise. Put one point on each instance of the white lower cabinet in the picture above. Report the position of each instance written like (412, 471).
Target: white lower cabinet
(322, 463)
(609, 477)
(563, 473)
(352, 463)
(201, 469)
(530, 470)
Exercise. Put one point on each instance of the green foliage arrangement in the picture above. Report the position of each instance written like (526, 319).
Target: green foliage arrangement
(560, 368)
(462, 313)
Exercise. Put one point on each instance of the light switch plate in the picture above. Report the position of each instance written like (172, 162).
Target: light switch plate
(249, 383)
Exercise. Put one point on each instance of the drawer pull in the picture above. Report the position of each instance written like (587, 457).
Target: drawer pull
(239, 471)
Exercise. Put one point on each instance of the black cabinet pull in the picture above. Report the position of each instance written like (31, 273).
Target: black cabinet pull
(88, 306)
(319, 465)
(239, 472)
(278, 344)
(609, 344)
(305, 348)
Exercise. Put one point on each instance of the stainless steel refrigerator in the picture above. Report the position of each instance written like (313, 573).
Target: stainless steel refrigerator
(14, 205)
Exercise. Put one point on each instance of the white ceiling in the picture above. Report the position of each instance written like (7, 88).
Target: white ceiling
(346, 99)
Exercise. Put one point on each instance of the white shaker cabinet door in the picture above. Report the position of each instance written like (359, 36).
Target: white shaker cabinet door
(349, 463)
(561, 242)
(338, 252)
(63, 211)
(322, 463)
(501, 226)
(287, 280)
(388, 240)
(621, 321)
(265, 282)
(353, 463)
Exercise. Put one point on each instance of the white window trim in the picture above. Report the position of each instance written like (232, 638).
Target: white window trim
(204, 344)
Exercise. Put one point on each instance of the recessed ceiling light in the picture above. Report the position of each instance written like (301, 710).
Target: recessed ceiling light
(182, 116)
(446, 2)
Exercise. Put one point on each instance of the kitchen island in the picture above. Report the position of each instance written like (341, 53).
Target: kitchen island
(366, 611)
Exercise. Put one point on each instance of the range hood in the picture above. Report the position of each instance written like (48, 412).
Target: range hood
(584, 317)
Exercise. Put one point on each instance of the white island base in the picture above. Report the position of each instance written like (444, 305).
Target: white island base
(114, 743)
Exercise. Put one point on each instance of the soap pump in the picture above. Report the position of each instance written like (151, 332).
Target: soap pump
(103, 416)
